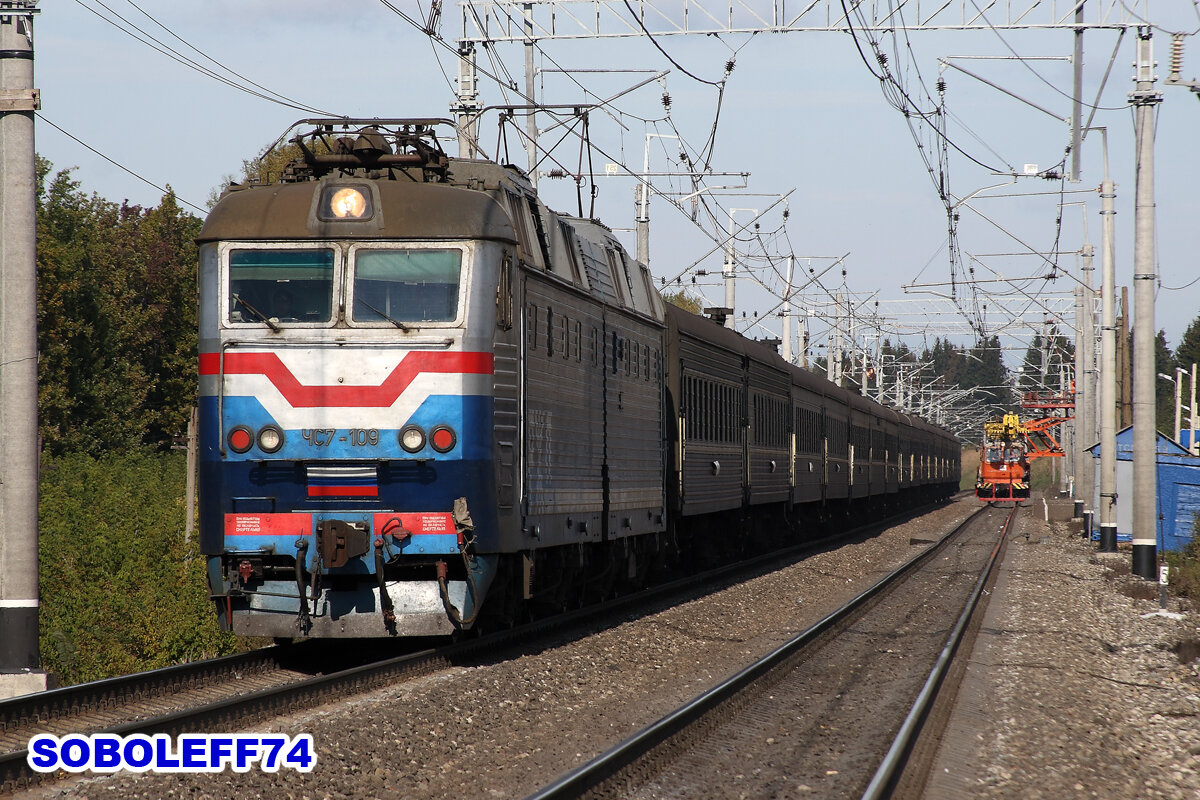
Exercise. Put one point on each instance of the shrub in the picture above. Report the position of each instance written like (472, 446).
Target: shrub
(121, 590)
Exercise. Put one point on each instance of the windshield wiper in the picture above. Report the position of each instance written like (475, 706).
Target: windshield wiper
(395, 322)
(238, 299)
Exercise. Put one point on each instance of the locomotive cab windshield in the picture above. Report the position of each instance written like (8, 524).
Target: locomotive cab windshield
(378, 284)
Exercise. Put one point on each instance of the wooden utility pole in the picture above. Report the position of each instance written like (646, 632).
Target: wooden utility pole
(1124, 367)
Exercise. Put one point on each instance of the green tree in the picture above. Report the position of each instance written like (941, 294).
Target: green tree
(121, 590)
(1188, 351)
(116, 319)
(984, 371)
(1049, 361)
(1164, 391)
(683, 300)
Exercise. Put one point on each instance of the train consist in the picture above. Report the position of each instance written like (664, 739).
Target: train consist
(425, 396)
(1003, 474)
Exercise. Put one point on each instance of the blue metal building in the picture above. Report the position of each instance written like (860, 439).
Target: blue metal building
(1178, 490)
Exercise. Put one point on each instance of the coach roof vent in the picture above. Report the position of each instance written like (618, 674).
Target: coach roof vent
(718, 314)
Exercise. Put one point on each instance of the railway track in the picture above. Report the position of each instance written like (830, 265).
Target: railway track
(237, 691)
(807, 716)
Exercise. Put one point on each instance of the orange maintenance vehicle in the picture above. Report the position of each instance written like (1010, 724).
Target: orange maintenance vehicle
(1003, 463)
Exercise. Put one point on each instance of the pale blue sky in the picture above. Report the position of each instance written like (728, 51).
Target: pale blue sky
(801, 113)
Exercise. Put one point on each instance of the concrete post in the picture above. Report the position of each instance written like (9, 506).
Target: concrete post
(787, 313)
(466, 110)
(531, 131)
(837, 342)
(1145, 477)
(1179, 373)
(1108, 369)
(1195, 441)
(1085, 385)
(19, 657)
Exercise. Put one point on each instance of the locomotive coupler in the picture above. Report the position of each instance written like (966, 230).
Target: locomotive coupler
(385, 599)
(302, 622)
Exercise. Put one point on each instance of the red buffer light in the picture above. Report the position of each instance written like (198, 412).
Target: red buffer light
(240, 439)
(443, 439)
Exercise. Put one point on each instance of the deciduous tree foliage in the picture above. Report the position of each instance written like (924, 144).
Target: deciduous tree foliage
(121, 590)
(116, 319)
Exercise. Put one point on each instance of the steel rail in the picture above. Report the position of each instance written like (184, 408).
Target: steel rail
(70, 700)
(590, 776)
(247, 708)
(893, 763)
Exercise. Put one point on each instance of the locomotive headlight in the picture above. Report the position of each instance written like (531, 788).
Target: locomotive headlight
(270, 439)
(347, 203)
(412, 438)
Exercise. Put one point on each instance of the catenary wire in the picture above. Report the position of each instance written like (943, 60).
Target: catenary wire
(174, 55)
(147, 181)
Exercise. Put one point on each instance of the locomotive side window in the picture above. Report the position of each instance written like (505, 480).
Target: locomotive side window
(272, 286)
(406, 285)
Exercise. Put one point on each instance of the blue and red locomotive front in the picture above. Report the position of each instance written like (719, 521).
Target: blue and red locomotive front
(346, 396)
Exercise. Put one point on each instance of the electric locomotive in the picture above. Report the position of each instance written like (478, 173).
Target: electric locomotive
(365, 456)
(420, 389)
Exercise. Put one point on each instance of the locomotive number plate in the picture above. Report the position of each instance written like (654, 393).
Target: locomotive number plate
(355, 437)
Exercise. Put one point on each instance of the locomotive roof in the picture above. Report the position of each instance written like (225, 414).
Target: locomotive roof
(409, 210)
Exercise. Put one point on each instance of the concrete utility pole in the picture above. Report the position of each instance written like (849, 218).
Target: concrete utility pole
(531, 131)
(19, 658)
(787, 312)
(1084, 433)
(1108, 365)
(1145, 476)
(1195, 444)
(466, 110)
(728, 269)
(1077, 102)
(837, 339)
(804, 342)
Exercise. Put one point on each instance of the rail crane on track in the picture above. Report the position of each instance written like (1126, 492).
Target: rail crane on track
(1010, 445)
(1003, 461)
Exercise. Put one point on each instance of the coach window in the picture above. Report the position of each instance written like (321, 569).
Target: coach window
(273, 286)
(406, 285)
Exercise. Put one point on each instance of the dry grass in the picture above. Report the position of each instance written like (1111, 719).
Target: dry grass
(970, 467)
(1185, 566)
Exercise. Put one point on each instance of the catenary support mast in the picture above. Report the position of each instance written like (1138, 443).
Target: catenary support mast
(1145, 484)
(18, 349)
(1108, 364)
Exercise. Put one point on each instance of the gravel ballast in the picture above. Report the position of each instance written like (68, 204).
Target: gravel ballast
(1076, 687)
(503, 729)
